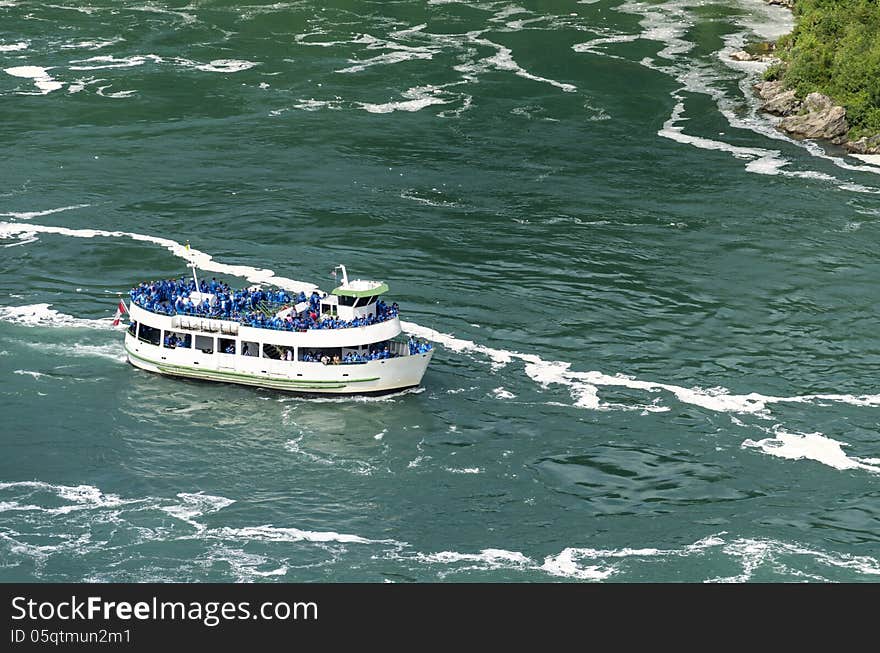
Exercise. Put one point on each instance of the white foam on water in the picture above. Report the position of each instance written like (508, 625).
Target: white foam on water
(380, 435)
(315, 105)
(301, 40)
(808, 446)
(36, 375)
(565, 564)
(854, 400)
(90, 45)
(114, 352)
(498, 357)
(388, 58)
(756, 553)
(15, 506)
(359, 467)
(409, 194)
(202, 260)
(40, 76)
(593, 44)
(42, 315)
(117, 94)
(23, 239)
(464, 470)
(418, 98)
(761, 161)
(83, 10)
(226, 66)
(503, 60)
(187, 18)
(28, 215)
(244, 565)
(13, 47)
(583, 386)
(501, 393)
(81, 497)
(269, 533)
(102, 62)
(196, 505)
(485, 559)
(858, 188)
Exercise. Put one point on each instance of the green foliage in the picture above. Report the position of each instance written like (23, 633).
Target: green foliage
(774, 72)
(835, 50)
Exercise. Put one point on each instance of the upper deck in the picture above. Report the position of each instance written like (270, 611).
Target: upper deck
(350, 306)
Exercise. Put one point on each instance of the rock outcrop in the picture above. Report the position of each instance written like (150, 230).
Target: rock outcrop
(818, 117)
(865, 145)
(782, 104)
(743, 55)
(767, 90)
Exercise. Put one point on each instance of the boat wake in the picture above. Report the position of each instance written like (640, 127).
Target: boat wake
(583, 386)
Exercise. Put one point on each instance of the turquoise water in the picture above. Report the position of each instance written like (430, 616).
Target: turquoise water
(655, 316)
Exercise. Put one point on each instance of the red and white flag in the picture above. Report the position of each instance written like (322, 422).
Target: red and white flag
(120, 309)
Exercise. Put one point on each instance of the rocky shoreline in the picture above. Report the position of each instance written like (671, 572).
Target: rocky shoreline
(815, 117)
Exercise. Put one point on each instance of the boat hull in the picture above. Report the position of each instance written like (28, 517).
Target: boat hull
(306, 378)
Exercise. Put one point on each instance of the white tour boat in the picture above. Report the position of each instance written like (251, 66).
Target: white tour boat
(346, 342)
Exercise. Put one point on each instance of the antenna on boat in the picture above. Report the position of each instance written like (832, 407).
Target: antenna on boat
(344, 274)
(192, 265)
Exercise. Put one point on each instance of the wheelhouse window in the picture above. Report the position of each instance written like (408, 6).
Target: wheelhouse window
(132, 328)
(149, 334)
(205, 344)
(344, 300)
(366, 301)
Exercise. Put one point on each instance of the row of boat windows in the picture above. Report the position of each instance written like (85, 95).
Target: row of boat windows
(210, 344)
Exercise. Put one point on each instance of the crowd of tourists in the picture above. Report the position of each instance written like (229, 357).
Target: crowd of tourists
(251, 307)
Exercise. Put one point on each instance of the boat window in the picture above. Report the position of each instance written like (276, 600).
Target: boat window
(250, 348)
(328, 309)
(177, 339)
(226, 346)
(275, 352)
(205, 343)
(328, 356)
(149, 334)
(346, 301)
(132, 328)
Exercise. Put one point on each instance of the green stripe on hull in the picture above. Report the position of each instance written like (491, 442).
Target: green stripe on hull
(262, 383)
(248, 379)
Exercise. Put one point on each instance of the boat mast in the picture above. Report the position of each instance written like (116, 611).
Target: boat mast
(344, 274)
(192, 264)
